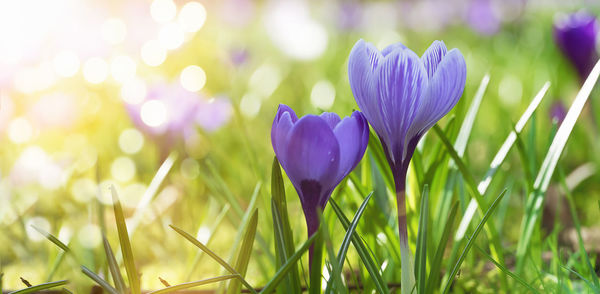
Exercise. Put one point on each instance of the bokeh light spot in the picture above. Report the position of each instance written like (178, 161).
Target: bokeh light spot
(322, 95)
(114, 31)
(250, 105)
(171, 36)
(83, 190)
(122, 68)
(193, 78)
(153, 53)
(20, 130)
(163, 10)
(39, 222)
(190, 168)
(122, 169)
(66, 64)
(131, 141)
(89, 236)
(192, 16)
(133, 91)
(154, 113)
(95, 70)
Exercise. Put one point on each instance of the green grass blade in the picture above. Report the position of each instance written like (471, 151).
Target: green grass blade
(100, 281)
(1, 281)
(213, 255)
(113, 266)
(241, 264)
(507, 272)
(362, 250)
(132, 273)
(284, 240)
(40, 287)
(379, 155)
(582, 252)
(499, 159)
(421, 252)
(436, 263)
(471, 241)
(151, 191)
(549, 164)
(465, 129)
(587, 282)
(188, 285)
(333, 267)
(495, 246)
(52, 239)
(291, 262)
(341, 257)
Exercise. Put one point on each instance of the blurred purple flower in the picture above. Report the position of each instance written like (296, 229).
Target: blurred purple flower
(576, 35)
(558, 111)
(181, 113)
(402, 96)
(482, 18)
(238, 56)
(349, 15)
(317, 152)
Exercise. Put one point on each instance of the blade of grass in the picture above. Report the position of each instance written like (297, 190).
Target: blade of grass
(150, 192)
(212, 255)
(51, 238)
(341, 257)
(40, 287)
(284, 241)
(333, 267)
(113, 266)
(471, 241)
(362, 251)
(421, 252)
(588, 283)
(582, 252)
(128, 260)
(241, 264)
(436, 264)
(282, 272)
(549, 164)
(100, 281)
(506, 271)
(499, 159)
(188, 285)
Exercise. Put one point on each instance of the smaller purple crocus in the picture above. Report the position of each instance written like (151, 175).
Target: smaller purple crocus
(558, 111)
(576, 35)
(317, 152)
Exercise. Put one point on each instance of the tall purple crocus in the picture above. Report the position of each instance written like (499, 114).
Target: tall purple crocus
(576, 35)
(402, 96)
(317, 152)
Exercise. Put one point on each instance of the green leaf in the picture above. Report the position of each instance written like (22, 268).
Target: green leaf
(471, 241)
(362, 250)
(350, 232)
(499, 159)
(52, 239)
(421, 252)
(436, 264)
(132, 273)
(284, 241)
(100, 281)
(188, 285)
(587, 282)
(507, 272)
(40, 287)
(333, 267)
(465, 129)
(150, 192)
(315, 269)
(241, 265)
(212, 255)
(536, 198)
(290, 263)
(113, 266)
(582, 252)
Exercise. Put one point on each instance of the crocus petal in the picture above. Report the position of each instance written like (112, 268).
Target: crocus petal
(361, 67)
(443, 92)
(312, 153)
(331, 118)
(400, 82)
(352, 133)
(433, 56)
(283, 122)
(391, 48)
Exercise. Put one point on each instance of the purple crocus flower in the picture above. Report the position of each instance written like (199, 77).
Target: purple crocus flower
(317, 152)
(402, 96)
(576, 36)
(558, 111)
